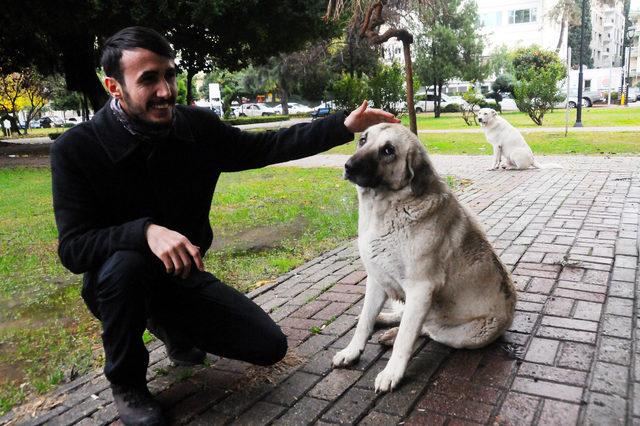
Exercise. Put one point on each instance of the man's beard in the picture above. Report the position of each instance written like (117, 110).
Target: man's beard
(137, 114)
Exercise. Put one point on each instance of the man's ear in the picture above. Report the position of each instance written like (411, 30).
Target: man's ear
(419, 171)
(113, 87)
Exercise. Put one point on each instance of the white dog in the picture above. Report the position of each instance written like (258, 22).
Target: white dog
(507, 142)
(420, 246)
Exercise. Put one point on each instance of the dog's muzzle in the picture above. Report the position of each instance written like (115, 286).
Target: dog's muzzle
(361, 171)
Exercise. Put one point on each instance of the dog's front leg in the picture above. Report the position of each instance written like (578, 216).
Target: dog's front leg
(416, 307)
(374, 299)
(497, 156)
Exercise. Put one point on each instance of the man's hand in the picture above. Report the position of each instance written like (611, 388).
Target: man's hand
(174, 249)
(364, 117)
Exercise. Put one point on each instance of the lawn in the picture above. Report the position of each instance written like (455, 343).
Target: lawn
(583, 143)
(266, 222)
(591, 117)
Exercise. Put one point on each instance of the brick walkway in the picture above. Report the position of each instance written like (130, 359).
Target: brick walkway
(569, 236)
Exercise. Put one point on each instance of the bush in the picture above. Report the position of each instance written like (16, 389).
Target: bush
(538, 72)
(349, 92)
(386, 88)
(54, 136)
(452, 108)
(474, 101)
(252, 120)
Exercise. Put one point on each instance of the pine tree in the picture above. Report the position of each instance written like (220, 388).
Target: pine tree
(574, 38)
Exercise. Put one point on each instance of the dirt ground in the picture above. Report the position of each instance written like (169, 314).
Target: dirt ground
(24, 155)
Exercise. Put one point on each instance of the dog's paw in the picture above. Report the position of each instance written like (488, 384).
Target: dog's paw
(388, 379)
(388, 337)
(346, 357)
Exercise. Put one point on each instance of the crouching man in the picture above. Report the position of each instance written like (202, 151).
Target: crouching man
(132, 190)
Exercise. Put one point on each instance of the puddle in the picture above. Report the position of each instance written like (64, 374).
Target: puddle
(260, 239)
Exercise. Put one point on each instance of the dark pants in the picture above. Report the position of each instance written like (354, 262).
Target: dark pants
(130, 288)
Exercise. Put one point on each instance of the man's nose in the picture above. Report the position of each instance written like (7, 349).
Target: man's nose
(164, 89)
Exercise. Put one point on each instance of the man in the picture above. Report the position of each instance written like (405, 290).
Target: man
(6, 124)
(132, 191)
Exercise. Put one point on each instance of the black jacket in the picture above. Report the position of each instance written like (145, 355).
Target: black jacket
(108, 185)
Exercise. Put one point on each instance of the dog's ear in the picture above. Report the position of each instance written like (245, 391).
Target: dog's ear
(494, 112)
(419, 171)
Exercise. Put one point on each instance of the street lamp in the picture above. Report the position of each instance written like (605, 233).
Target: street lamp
(578, 122)
(631, 31)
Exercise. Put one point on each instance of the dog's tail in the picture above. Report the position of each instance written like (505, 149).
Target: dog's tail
(547, 165)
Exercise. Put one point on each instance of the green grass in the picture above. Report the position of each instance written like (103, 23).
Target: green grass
(271, 220)
(35, 133)
(591, 117)
(583, 143)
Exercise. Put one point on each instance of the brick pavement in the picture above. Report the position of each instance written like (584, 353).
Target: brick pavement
(570, 238)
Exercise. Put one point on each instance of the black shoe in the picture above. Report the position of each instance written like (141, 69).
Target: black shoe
(136, 406)
(180, 351)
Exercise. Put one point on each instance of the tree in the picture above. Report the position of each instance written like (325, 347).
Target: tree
(61, 98)
(49, 37)
(500, 61)
(574, 37)
(567, 14)
(354, 56)
(450, 45)
(503, 84)
(386, 88)
(537, 72)
(22, 91)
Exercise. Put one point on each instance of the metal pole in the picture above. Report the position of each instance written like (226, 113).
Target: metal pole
(578, 122)
(566, 106)
(609, 86)
(626, 90)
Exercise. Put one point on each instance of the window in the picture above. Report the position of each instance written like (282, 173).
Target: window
(587, 85)
(522, 16)
(491, 19)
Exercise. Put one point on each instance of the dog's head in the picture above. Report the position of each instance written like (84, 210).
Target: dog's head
(486, 115)
(390, 156)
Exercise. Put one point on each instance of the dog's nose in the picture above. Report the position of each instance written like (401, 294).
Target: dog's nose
(349, 165)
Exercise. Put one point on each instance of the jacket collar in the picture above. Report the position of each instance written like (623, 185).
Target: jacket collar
(119, 143)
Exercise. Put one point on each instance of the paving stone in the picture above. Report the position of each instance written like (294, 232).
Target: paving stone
(557, 413)
(615, 350)
(341, 325)
(305, 411)
(555, 374)
(334, 384)
(469, 410)
(548, 389)
(619, 306)
(566, 334)
(605, 409)
(260, 414)
(559, 306)
(542, 350)
(310, 309)
(320, 363)
(617, 326)
(292, 389)
(332, 311)
(540, 285)
(570, 323)
(588, 310)
(376, 418)
(333, 296)
(314, 344)
(518, 409)
(610, 378)
(422, 417)
(351, 406)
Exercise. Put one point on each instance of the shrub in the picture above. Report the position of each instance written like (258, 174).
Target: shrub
(386, 88)
(538, 72)
(474, 102)
(54, 136)
(452, 108)
(349, 92)
(252, 120)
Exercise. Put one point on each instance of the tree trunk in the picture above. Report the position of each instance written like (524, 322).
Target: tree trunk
(190, 74)
(413, 126)
(284, 100)
(562, 25)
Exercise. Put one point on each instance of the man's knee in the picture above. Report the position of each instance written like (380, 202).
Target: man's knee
(274, 348)
(124, 270)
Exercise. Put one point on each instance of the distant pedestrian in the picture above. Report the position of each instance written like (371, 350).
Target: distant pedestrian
(6, 125)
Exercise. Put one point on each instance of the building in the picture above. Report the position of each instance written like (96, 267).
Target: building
(520, 23)
(607, 33)
(634, 70)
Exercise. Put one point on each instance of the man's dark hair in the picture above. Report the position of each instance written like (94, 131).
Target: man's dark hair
(128, 39)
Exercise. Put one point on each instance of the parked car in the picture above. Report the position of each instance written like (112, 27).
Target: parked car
(634, 94)
(320, 112)
(508, 103)
(73, 121)
(590, 97)
(573, 102)
(254, 110)
(428, 104)
(48, 122)
(326, 104)
(294, 108)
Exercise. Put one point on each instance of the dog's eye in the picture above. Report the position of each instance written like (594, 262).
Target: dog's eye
(388, 150)
(363, 140)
